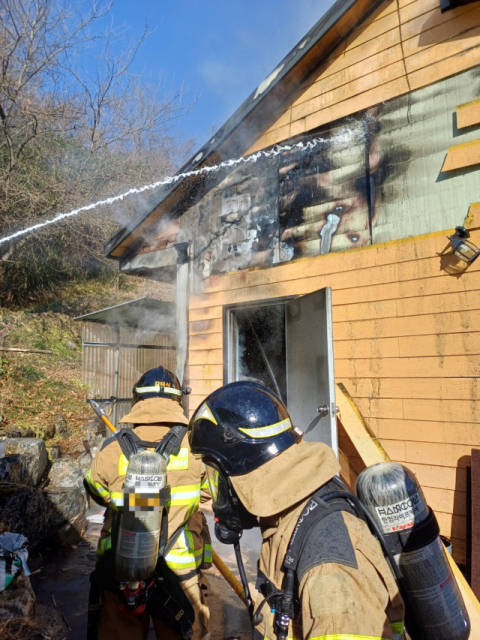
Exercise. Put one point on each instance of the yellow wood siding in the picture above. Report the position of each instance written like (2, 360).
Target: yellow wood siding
(407, 348)
(397, 49)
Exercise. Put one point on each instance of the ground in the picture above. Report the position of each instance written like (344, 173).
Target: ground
(62, 585)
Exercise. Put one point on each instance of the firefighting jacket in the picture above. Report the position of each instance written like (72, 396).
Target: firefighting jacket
(185, 475)
(346, 591)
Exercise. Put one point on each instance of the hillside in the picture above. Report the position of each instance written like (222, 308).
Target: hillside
(40, 390)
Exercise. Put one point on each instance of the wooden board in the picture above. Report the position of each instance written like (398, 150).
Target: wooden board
(423, 429)
(468, 114)
(476, 521)
(369, 448)
(462, 155)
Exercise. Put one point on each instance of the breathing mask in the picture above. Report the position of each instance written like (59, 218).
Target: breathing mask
(231, 517)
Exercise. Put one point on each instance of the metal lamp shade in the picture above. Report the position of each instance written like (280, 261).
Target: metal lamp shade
(462, 248)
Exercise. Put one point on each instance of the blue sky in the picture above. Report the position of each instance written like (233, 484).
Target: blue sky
(220, 49)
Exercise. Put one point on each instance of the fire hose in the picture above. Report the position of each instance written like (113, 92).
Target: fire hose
(229, 577)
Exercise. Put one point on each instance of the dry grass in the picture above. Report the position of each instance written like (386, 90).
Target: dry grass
(35, 389)
(20, 629)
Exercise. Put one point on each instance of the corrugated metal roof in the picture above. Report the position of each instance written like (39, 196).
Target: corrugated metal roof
(270, 93)
(143, 313)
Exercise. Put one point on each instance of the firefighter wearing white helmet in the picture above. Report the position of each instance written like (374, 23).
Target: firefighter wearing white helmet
(258, 465)
(158, 423)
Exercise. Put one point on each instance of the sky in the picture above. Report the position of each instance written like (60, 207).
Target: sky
(220, 50)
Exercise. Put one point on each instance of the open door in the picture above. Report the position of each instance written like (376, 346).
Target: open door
(310, 366)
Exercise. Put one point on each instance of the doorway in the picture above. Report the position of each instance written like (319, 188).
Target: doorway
(287, 345)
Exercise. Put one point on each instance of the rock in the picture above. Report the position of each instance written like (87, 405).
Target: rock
(62, 427)
(85, 461)
(24, 433)
(93, 440)
(25, 510)
(69, 501)
(25, 461)
(71, 345)
(65, 473)
(54, 452)
(96, 425)
(18, 600)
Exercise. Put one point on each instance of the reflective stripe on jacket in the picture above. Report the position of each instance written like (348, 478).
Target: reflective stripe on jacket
(187, 479)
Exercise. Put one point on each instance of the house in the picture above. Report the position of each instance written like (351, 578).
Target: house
(366, 156)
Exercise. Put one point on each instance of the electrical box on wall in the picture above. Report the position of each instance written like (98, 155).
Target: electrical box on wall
(445, 5)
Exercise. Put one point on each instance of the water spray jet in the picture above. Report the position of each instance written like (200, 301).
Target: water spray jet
(271, 153)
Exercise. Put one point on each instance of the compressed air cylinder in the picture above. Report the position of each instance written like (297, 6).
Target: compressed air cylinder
(141, 520)
(394, 498)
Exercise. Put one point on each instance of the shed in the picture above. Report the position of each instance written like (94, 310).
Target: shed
(359, 154)
(122, 342)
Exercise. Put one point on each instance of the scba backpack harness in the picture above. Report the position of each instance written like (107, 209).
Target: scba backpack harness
(163, 597)
(320, 536)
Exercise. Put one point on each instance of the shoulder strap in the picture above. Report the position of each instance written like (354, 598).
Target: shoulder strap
(169, 445)
(315, 510)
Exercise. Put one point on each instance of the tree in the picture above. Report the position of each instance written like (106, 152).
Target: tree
(76, 125)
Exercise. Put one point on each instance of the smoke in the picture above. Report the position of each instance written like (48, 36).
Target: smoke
(301, 146)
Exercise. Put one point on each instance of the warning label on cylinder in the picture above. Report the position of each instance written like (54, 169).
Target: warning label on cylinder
(401, 515)
(138, 544)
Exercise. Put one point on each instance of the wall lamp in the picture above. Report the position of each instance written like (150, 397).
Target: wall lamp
(462, 249)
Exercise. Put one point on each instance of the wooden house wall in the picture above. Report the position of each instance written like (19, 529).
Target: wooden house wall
(401, 46)
(407, 348)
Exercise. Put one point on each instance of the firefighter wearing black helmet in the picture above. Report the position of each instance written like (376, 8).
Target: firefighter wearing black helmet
(259, 466)
(156, 409)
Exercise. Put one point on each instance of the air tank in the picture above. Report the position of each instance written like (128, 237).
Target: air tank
(396, 501)
(141, 520)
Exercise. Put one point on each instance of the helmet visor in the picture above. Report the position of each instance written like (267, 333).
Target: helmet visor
(218, 487)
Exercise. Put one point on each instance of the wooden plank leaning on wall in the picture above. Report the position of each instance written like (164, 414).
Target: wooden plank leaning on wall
(371, 452)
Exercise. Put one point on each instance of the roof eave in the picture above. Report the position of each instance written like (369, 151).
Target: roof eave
(275, 87)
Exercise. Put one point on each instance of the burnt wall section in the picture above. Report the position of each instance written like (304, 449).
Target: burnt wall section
(366, 179)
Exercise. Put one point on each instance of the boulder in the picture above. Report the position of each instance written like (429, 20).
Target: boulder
(71, 345)
(20, 433)
(54, 452)
(18, 600)
(85, 461)
(68, 501)
(25, 510)
(62, 427)
(66, 474)
(25, 461)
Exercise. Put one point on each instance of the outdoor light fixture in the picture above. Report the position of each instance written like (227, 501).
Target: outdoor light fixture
(462, 249)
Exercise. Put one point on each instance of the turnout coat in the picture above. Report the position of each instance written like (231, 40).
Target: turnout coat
(346, 589)
(152, 419)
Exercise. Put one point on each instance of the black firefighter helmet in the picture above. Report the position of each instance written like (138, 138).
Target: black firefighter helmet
(240, 427)
(157, 383)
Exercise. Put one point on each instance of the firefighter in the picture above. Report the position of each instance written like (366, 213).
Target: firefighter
(155, 410)
(258, 465)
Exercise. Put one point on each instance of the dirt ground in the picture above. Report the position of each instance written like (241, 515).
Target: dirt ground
(62, 587)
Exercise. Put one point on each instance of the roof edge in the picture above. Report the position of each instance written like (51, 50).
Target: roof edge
(257, 97)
